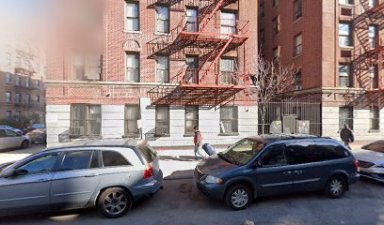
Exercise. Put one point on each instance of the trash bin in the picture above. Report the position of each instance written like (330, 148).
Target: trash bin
(208, 149)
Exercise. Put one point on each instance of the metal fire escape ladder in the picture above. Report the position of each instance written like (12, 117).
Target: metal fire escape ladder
(209, 17)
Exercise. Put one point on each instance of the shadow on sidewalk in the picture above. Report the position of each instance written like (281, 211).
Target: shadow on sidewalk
(180, 174)
(178, 158)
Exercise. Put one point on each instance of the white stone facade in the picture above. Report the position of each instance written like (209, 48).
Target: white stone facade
(361, 124)
(112, 125)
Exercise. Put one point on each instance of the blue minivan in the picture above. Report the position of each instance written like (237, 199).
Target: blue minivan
(275, 164)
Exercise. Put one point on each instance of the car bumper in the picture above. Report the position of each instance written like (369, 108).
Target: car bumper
(373, 176)
(215, 191)
(149, 187)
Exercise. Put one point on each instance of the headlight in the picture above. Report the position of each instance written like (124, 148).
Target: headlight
(213, 180)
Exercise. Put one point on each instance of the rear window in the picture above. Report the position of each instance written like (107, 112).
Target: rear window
(148, 153)
(113, 159)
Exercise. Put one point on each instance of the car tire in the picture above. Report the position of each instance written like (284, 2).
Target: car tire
(114, 202)
(238, 197)
(335, 187)
(24, 144)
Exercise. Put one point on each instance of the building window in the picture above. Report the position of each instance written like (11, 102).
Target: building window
(372, 3)
(228, 71)
(27, 82)
(275, 25)
(85, 120)
(228, 23)
(374, 75)
(373, 34)
(298, 45)
(8, 78)
(298, 9)
(191, 119)
(8, 114)
(162, 69)
(345, 2)
(297, 80)
(374, 116)
(8, 97)
(345, 78)
(18, 80)
(132, 116)
(132, 67)
(228, 119)
(275, 3)
(162, 121)
(18, 115)
(29, 99)
(345, 34)
(162, 19)
(346, 117)
(86, 67)
(191, 20)
(17, 98)
(276, 54)
(38, 99)
(192, 71)
(261, 9)
(132, 22)
(37, 84)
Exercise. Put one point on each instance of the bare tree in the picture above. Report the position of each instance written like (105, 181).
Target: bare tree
(272, 80)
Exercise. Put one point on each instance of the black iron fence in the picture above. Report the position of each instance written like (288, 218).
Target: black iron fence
(290, 117)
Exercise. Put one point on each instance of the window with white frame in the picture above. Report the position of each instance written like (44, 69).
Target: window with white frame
(298, 44)
(297, 9)
(162, 19)
(132, 66)
(85, 120)
(372, 34)
(374, 75)
(228, 119)
(228, 70)
(28, 82)
(162, 69)
(8, 114)
(374, 116)
(162, 121)
(8, 97)
(346, 116)
(372, 3)
(345, 34)
(345, 76)
(132, 13)
(228, 23)
(276, 54)
(192, 70)
(297, 80)
(8, 78)
(18, 80)
(18, 98)
(345, 2)
(191, 20)
(132, 116)
(191, 119)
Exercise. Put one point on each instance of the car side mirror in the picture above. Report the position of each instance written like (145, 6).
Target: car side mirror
(8, 173)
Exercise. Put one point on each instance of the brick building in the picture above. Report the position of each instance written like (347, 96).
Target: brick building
(158, 69)
(22, 71)
(337, 49)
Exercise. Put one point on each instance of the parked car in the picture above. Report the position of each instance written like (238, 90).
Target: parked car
(10, 139)
(371, 160)
(37, 135)
(108, 174)
(11, 128)
(275, 164)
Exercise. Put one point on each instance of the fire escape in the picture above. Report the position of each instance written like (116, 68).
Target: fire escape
(208, 38)
(369, 52)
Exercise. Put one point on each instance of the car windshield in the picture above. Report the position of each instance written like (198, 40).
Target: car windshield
(243, 151)
(377, 146)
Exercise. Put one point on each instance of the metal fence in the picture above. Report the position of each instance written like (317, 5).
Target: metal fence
(290, 117)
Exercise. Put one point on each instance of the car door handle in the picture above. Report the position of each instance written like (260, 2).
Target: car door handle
(91, 175)
(287, 173)
(297, 172)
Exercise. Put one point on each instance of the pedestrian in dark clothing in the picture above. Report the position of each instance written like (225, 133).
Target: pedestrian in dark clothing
(197, 140)
(346, 135)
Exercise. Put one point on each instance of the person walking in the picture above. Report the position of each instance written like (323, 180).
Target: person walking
(346, 135)
(197, 140)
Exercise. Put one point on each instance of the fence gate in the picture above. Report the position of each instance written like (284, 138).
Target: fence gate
(290, 117)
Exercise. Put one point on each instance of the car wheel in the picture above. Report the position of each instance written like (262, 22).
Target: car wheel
(335, 187)
(114, 202)
(24, 144)
(238, 197)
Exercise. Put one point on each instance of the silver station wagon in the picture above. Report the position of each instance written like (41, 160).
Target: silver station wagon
(108, 174)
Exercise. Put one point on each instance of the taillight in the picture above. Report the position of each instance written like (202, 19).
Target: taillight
(356, 164)
(148, 172)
